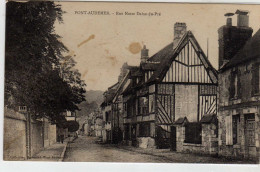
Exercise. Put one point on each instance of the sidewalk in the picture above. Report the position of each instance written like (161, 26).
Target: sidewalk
(54, 152)
(172, 156)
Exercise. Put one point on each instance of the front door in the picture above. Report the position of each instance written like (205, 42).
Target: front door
(133, 135)
(173, 138)
(250, 135)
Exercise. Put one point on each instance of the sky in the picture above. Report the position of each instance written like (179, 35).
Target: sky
(100, 44)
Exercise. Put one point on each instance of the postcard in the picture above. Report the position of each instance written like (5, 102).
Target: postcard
(132, 82)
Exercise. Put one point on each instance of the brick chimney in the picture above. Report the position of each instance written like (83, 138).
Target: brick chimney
(179, 30)
(144, 54)
(232, 38)
(123, 72)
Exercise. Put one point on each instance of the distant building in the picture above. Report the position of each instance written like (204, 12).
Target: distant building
(106, 110)
(239, 89)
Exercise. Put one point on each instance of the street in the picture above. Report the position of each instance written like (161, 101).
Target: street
(85, 149)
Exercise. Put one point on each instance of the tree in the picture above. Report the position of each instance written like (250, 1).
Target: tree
(34, 73)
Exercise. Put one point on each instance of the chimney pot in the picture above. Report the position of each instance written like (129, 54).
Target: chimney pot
(242, 18)
(229, 21)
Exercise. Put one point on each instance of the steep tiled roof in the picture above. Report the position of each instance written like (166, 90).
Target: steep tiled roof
(128, 89)
(251, 50)
(149, 66)
(162, 53)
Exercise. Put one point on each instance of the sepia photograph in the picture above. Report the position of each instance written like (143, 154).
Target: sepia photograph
(132, 82)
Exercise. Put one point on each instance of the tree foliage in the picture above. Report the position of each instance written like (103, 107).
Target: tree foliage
(36, 72)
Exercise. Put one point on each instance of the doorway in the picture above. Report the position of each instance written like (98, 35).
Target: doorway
(173, 138)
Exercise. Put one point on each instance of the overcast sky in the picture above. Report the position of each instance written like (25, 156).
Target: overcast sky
(102, 43)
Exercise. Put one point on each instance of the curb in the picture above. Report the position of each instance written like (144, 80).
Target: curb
(65, 148)
(63, 152)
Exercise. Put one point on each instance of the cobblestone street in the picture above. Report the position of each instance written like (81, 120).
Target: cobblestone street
(85, 149)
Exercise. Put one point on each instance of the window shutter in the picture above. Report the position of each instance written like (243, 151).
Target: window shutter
(239, 89)
(229, 134)
(255, 78)
(232, 85)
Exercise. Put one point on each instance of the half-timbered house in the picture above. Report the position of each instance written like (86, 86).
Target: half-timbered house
(171, 91)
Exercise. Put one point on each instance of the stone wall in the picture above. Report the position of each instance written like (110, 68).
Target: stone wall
(14, 135)
(23, 139)
(36, 137)
(209, 144)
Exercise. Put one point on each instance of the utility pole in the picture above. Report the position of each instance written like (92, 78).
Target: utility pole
(208, 48)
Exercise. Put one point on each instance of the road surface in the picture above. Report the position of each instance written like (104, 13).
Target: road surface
(85, 149)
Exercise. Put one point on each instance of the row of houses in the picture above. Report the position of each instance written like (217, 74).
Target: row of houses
(176, 99)
(93, 124)
(25, 136)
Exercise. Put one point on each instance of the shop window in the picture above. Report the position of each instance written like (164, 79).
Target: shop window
(193, 133)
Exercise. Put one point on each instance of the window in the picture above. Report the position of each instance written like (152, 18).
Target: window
(151, 103)
(22, 108)
(144, 129)
(255, 79)
(129, 107)
(143, 106)
(235, 85)
(108, 116)
(232, 129)
(193, 133)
